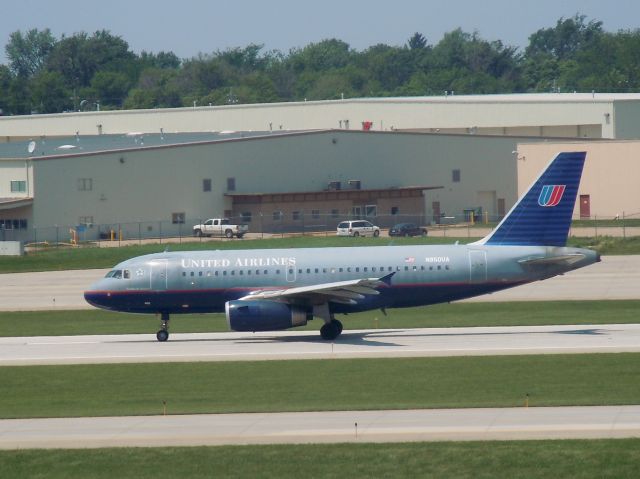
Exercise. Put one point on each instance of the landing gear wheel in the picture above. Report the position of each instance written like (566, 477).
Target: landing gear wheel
(162, 335)
(330, 331)
(337, 324)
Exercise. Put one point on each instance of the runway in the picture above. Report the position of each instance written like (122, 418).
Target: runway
(372, 343)
(323, 427)
(616, 277)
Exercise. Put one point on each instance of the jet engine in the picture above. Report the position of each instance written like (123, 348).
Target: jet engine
(264, 315)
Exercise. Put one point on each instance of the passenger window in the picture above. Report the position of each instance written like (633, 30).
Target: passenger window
(192, 273)
(224, 273)
(406, 268)
(184, 273)
(308, 270)
(415, 268)
(357, 270)
(365, 269)
(439, 267)
(240, 272)
(349, 270)
(200, 273)
(233, 272)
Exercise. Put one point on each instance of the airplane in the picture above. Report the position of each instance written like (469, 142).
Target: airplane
(276, 289)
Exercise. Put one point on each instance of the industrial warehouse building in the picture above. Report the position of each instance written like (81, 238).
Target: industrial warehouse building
(577, 115)
(276, 182)
(426, 160)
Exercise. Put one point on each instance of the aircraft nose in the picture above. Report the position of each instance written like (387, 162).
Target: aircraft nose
(96, 295)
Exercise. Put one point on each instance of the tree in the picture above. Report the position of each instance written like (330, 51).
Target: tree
(79, 57)
(569, 36)
(110, 88)
(417, 41)
(27, 53)
(49, 93)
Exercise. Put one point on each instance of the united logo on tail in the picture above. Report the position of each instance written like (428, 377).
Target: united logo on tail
(551, 195)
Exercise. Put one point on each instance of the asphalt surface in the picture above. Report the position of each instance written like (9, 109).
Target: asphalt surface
(373, 343)
(319, 427)
(616, 277)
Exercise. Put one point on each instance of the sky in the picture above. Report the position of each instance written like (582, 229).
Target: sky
(190, 27)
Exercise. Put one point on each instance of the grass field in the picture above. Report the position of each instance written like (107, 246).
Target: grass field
(575, 459)
(52, 259)
(316, 385)
(68, 323)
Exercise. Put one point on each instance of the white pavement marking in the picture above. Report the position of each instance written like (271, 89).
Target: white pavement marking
(616, 277)
(318, 427)
(373, 343)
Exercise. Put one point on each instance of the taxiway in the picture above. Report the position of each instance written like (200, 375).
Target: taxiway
(317, 427)
(137, 348)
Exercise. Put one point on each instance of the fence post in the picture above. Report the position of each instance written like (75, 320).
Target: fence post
(160, 230)
(624, 228)
(595, 222)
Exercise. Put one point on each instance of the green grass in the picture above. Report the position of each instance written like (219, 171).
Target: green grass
(578, 459)
(315, 385)
(69, 323)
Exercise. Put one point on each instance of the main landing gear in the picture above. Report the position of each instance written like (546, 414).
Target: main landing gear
(163, 334)
(331, 328)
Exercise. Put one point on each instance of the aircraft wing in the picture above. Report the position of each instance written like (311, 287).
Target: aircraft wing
(346, 292)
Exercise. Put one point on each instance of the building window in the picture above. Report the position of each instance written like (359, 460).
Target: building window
(277, 216)
(13, 224)
(206, 184)
(455, 176)
(315, 214)
(85, 184)
(395, 210)
(335, 213)
(177, 218)
(296, 215)
(18, 186)
(231, 184)
(245, 216)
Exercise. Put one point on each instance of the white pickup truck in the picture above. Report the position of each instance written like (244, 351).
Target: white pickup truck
(220, 227)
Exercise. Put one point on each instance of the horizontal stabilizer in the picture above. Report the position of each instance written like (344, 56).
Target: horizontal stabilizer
(566, 259)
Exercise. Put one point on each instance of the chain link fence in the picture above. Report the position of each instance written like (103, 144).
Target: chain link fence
(466, 225)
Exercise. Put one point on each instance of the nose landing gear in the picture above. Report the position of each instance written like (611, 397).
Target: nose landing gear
(163, 334)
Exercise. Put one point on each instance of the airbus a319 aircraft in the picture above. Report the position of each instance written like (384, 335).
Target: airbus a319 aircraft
(275, 289)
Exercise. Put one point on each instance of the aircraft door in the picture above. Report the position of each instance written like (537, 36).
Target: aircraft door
(291, 273)
(159, 274)
(477, 266)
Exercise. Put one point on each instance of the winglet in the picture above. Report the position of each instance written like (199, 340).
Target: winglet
(387, 279)
(542, 217)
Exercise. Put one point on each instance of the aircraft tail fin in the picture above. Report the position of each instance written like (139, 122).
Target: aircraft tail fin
(542, 217)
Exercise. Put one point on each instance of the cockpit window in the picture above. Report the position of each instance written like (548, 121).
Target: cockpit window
(126, 274)
(114, 273)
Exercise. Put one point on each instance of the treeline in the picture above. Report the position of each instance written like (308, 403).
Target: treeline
(87, 72)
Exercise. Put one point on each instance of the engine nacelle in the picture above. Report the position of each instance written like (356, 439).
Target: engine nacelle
(264, 315)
